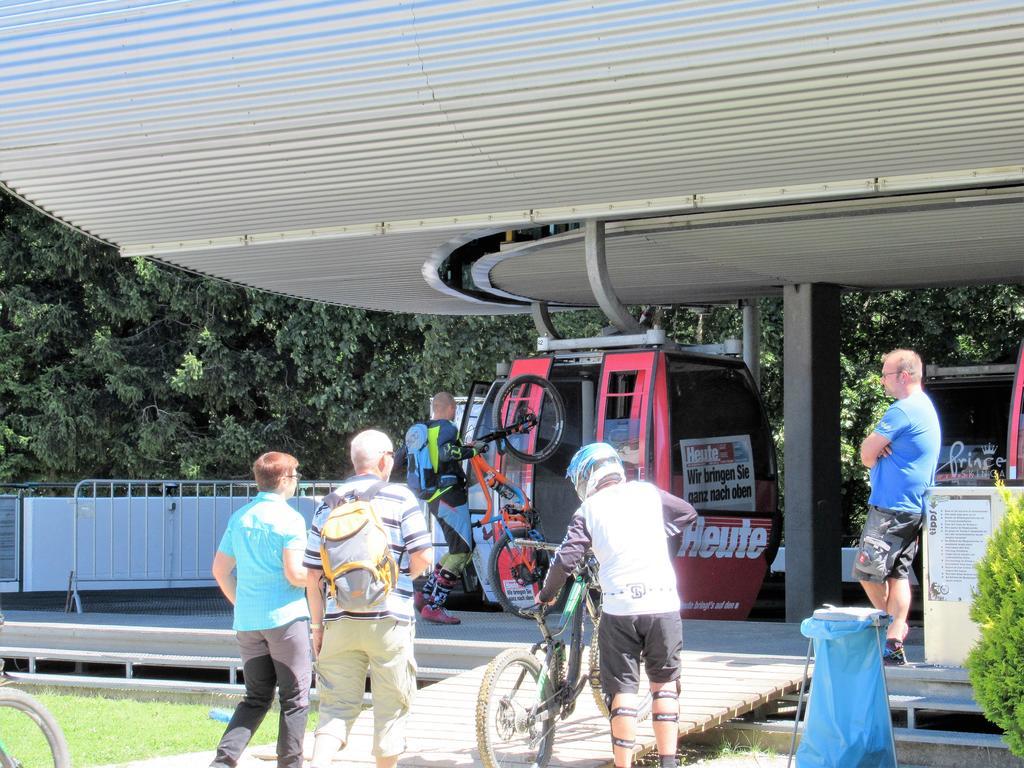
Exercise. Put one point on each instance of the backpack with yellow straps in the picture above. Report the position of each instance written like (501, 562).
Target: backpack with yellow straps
(355, 551)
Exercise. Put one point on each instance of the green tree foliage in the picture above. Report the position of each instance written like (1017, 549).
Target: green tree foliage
(113, 367)
(996, 663)
(122, 368)
(946, 326)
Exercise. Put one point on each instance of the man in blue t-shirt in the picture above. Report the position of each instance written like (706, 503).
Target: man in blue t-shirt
(901, 453)
(258, 566)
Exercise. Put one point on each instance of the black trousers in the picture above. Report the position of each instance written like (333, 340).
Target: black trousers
(278, 657)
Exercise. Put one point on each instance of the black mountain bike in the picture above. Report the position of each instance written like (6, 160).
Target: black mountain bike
(524, 694)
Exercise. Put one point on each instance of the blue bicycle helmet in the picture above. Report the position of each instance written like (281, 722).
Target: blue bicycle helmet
(592, 464)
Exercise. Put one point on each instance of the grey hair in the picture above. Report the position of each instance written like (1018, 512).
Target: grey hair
(367, 448)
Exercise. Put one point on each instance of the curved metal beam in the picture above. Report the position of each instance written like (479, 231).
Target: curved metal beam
(600, 282)
(752, 338)
(542, 320)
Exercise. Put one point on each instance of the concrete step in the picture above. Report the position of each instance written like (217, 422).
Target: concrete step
(165, 641)
(135, 687)
(142, 690)
(905, 703)
(948, 749)
(928, 680)
(128, 660)
(940, 704)
(118, 644)
(935, 749)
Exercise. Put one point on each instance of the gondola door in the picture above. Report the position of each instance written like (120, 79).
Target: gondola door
(1015, 447)
(624, 409)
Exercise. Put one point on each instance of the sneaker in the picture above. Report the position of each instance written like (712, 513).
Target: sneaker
(438, 616)
(894, 655)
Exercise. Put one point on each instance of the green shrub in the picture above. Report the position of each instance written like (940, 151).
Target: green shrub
(996, 663)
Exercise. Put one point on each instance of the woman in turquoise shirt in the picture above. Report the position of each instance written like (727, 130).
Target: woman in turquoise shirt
(258, 566)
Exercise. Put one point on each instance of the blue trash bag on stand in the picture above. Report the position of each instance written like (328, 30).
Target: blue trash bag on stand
(848, 724)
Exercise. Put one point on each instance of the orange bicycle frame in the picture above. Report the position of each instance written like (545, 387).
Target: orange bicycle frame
(491, 479)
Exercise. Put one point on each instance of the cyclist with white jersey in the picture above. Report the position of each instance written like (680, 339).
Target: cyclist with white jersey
(626, 524)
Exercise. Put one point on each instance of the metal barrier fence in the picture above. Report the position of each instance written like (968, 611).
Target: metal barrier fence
(159, 533)
(12, 496)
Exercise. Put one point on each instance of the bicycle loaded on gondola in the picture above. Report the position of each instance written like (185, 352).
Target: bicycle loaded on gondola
(525, 693)
(515, 568)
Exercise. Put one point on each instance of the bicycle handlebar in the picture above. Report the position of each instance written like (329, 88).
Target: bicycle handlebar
(538, 612)
(525, 424)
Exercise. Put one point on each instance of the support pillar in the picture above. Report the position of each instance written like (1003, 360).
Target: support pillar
(542, 320)
(813, 523)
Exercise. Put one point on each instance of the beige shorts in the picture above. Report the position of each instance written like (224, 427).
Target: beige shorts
(351, 649)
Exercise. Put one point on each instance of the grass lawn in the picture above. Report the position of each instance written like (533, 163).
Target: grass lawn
(101, 731)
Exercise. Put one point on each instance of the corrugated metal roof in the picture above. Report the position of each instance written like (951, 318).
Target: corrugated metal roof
(280, 122)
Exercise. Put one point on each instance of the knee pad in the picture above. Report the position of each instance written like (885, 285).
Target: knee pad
(622, 712)
(665, 717)
(447, 579)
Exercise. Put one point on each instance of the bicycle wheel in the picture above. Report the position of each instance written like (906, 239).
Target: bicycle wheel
(594, 676)
(510, 728)
(535, 399)
(517, 573)
(29, 735)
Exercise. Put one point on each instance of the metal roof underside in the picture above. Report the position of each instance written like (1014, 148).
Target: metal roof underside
(339, 151)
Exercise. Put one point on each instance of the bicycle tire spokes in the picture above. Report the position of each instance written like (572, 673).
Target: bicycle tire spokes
(513, 726)
(530, 412)
(517, 572)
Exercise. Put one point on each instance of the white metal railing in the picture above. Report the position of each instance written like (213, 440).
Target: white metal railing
(159, 533)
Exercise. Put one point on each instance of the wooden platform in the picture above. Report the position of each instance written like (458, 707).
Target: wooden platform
(716, 688)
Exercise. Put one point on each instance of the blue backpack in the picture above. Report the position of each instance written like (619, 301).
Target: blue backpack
(421, 475)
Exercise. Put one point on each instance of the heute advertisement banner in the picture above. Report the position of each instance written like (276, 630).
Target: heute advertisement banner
(720, 562)
(720, 566)
(718, 473)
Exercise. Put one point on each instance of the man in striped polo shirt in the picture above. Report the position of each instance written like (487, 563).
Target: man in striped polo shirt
(350, 643)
